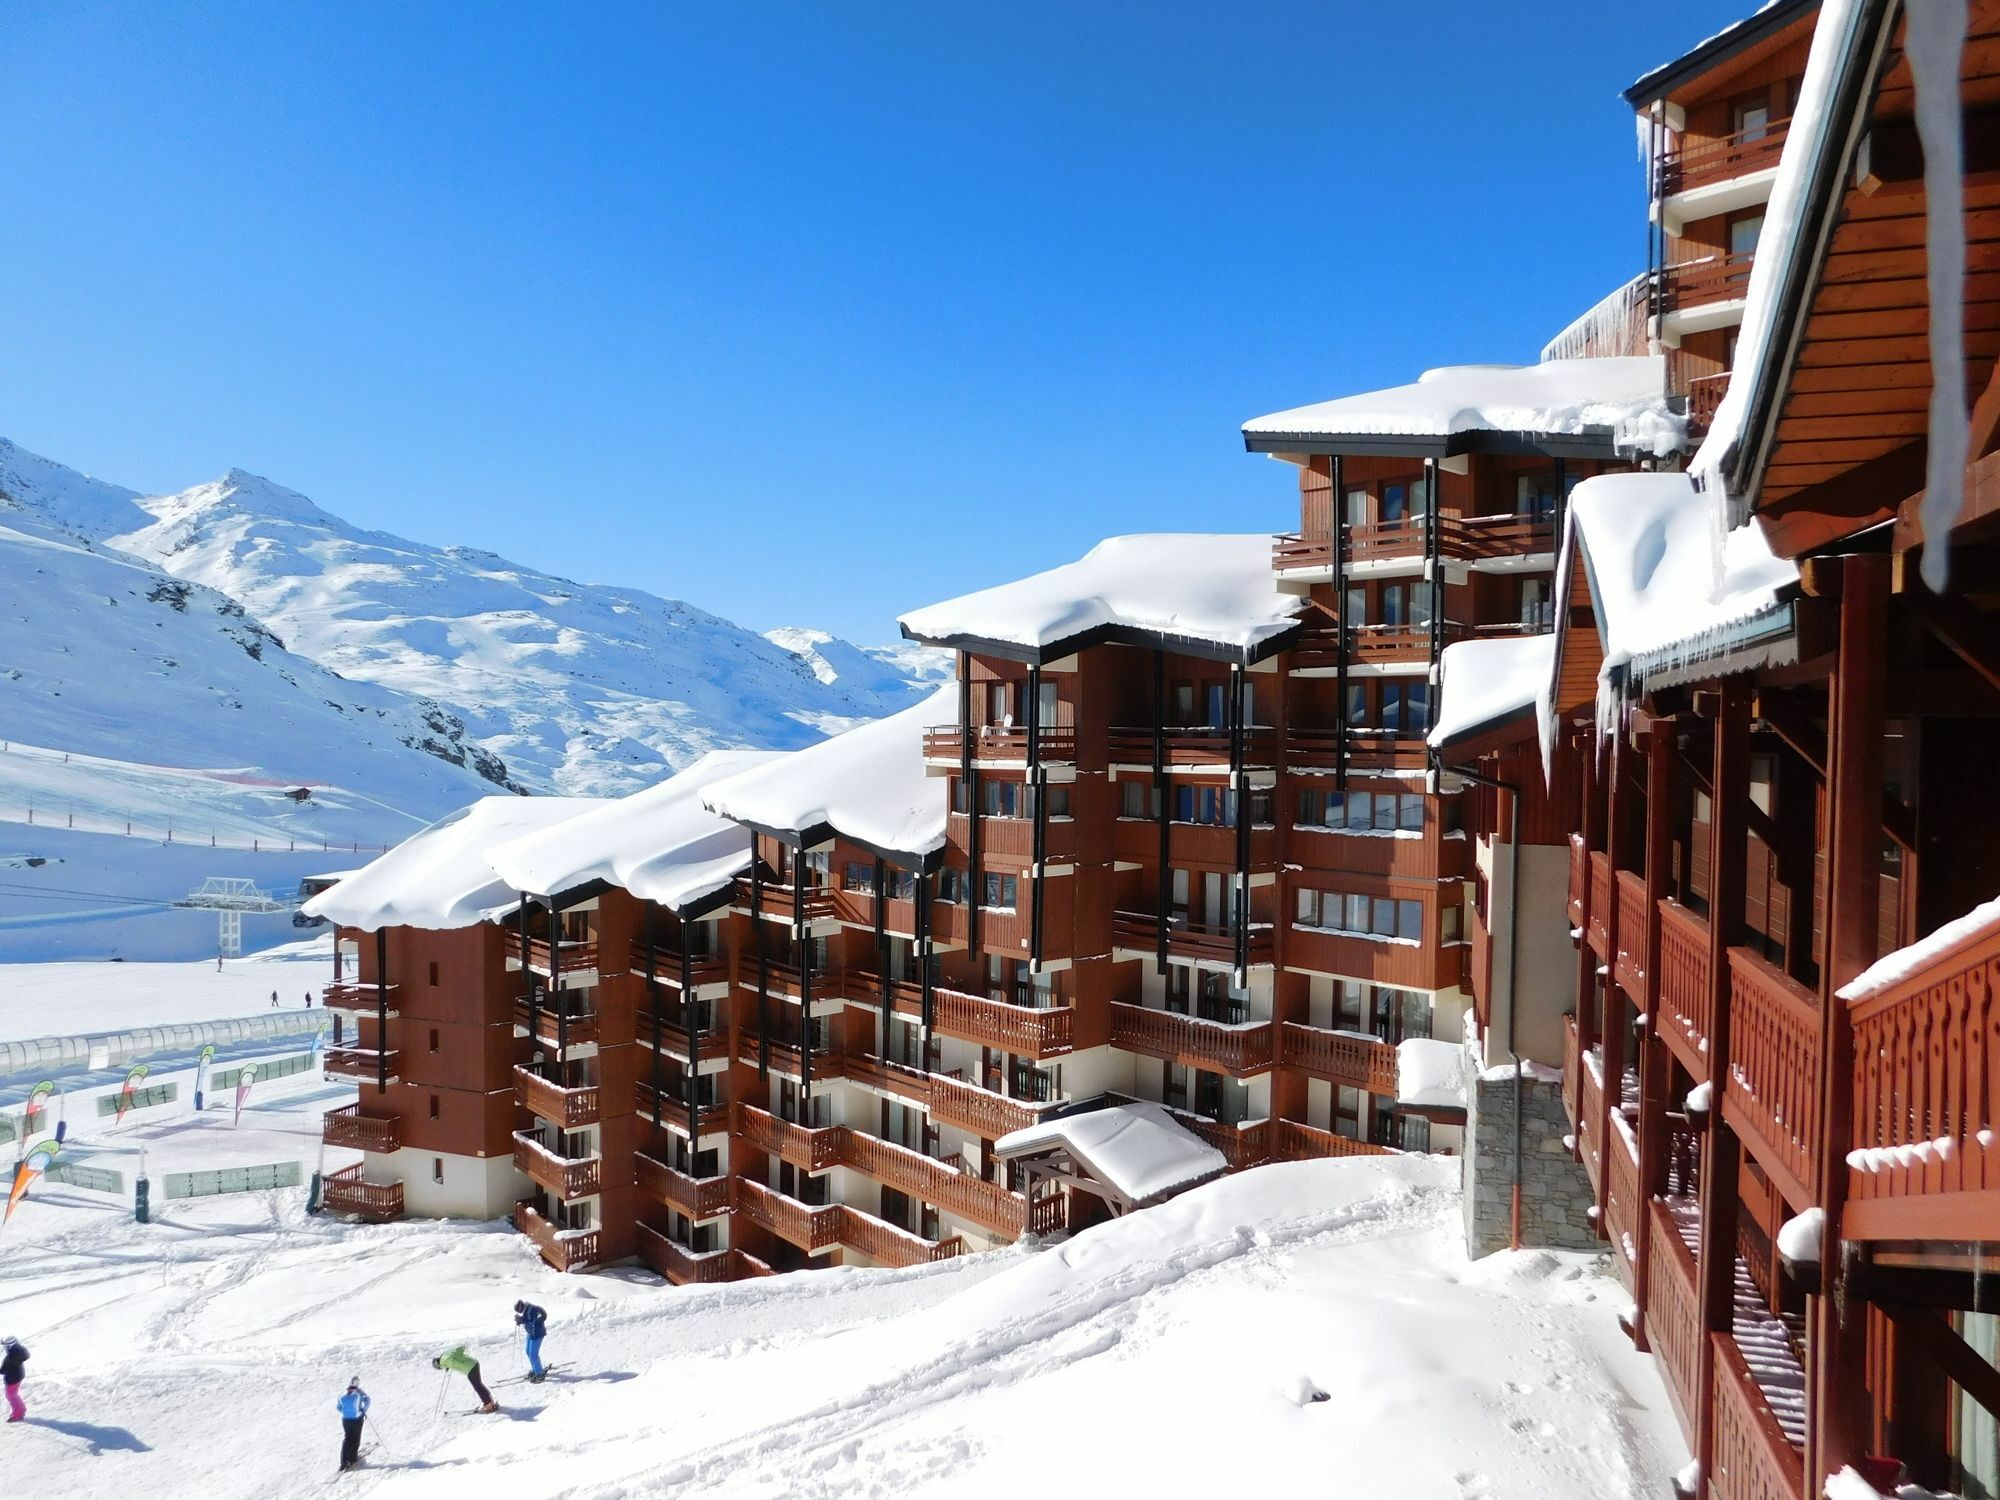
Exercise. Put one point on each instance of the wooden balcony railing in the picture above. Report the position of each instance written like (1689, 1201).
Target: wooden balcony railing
(1772, 1097)
(1000, 742)
(1579, 878)
(355, 1131)
(1629, 969)
(974, 1110)
(1572, 1082)
(938, 1183)
(1598, 929)
(821, 905)
(361, 1063)
(1696, 283)
(1342, 1057)
(1590, 1115)
(696, 1197)
(1927, 1101)
(572, 955)
(1753, 1458)
(1211, 1045)
(1293, 1141)
(1682, 985)
(682, 1266)
(1191, 940)
(1366, 749)
(565, 1249)
(1699, 163)
(569, 1108)
(1025, 1031)
(1624, 1206)
(346, 1192)
(811, 1150)
(1673, 1320)
(1462, 538)
(363, 998)
(1194, 746)
(886, 1245)
(900, 1079)
(1243, 1145)
(671, 1038)
(662, 962)
(1704, 397)
(811, 1229)
(542, 1022)
(568, 1178)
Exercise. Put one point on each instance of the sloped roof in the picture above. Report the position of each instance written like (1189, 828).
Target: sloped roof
(1138, 1149)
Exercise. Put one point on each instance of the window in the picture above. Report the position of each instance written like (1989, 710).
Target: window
(1395, 503)
(437, 1170)
(1002, 799)
(1045, 705)
(900, 885)
(434, 1106)
(434, 974)
(999, 702)
(434, 1039)
(1410, 920)
(1752, 117)
(1356, 513)
(1449, 925)
(856, 875)
(961, 800)
(1184, 703)
(1057, 801)
(1410, 812)
(1743, 233)
(1136, 801)
(1356, 708)
(998, 891)
(951, 884)
(1535, 613)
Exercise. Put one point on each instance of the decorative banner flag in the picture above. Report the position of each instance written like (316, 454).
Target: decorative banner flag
(125, 1094)
(201, 1075)
(243, 1082)
(38, 1098)
(27, 1170)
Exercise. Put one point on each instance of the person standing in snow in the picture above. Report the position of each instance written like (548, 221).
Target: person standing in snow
(353, 1406)
(13, 1360)
(458, 1360)
(534, 1323)
(274, 999)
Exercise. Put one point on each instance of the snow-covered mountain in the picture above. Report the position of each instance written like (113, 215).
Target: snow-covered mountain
(886, 672)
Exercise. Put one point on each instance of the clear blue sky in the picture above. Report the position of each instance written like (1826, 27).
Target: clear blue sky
(806, 314)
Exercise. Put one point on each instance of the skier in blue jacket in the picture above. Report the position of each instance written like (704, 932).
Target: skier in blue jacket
(353, 1406)
(534, 1323)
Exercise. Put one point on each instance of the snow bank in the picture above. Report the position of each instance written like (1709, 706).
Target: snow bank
(868, 785)
(1622, 397)
(1483, 683)
(443, 877)
(1139, 1149)
(1928, 952)
(1215, 591)
(662, 844)
(1431, 1074)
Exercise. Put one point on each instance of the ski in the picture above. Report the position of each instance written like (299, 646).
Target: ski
(547, 1370)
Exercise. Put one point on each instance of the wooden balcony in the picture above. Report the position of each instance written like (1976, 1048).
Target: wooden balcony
(573, 956)
(569, 1108)
(545, 1025)
(1243, 1145)
(1690, 164)
(787, 1058)
(682, 1266)
(1004, 744)
(1460, 538)
(662, 962)
(1704, 397)
(1673, 1317)
(909, 1084)
(696, 1197)
(820, 905)
(569, 1178)
(1572, 1069)
(363, 999)
(671, 1105)
(886, 1245)
(1598, 928)
(783, 982)
(808, 1149)
(1579, 879)
(1012, 838)
(811, 1229)
(1683, 985)
(1194, 746)
(565, 1249)
(1214, 1046)
(1024, 1031)
(1629, 966)
(1365, 749)
(1698, 283)
(349, 1128)
(1340, 1057)
(957, 1192)
(1293, 1141)
(1192, 941)
(1624, 1205)
(973, 1110)
(672, 1039)
(1590, 1115)
(1926, 1163)
(1772, 1098)
(346, 1192)
(1754, 1460)
(362, 1064)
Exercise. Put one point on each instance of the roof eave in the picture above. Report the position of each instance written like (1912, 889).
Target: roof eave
(1733, 42)
(1592, 442)
(1113, 635)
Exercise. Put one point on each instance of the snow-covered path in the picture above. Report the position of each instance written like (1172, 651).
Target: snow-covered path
(1177, 1347)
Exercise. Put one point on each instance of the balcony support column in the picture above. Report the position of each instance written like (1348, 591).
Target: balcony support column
(382, 1010)
(527, 973)
(1434, 581)
(802, 941)
(1838, 1417)
(1722, 1153)
(763, 961)
(1239, 783)
(925, 1005)
(1163, 794)
(652, 977)
(1586, 959)
(555, 985)
(691, 1021)
(1616, 1024)
(1340, 623)
(885, 994)
(1654, 1073)
(1039, 813)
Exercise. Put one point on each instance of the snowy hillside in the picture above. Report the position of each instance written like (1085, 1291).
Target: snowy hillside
(580, 688)
(885, 673)
(1312, 1328)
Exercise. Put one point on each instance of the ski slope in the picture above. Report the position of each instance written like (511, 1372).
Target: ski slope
(89, 999)
(1180, 1350)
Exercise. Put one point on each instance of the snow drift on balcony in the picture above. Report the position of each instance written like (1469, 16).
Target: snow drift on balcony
(1623, 396)
(442, 877)
(1210, 590)
(1929, 952)
(1431, 1074)
(1138, 1149)
(1483, 683)
(1646, 539)
(661, 844)
(868, 785)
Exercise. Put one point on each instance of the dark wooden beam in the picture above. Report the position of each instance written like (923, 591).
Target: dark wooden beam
(1968, 632)
(1931, 1333)
(1857, 497)
(1790, 724)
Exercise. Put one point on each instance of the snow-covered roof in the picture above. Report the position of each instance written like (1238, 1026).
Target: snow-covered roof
(1767, 20)
(1961, 933)
(661, 844)
(1663, 599)
(442, 877)
(1139, 1149)
(1212, 595)
(868, 785)
(1618, 403)
(1483, 684)
(1431, 1074)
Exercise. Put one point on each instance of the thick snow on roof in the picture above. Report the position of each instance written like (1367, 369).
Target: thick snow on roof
(1482, 683)
(1624, 396)
(1431, 1073)
(442, 877)
(1209, 590)
(661, 844)
(1649, 542)
(1139, 1149)
(868, 785)
(1893, 968)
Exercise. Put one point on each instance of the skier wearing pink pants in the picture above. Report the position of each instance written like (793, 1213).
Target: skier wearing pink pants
(13, 1359)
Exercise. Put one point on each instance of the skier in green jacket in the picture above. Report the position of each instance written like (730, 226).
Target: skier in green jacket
(458, 1360)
